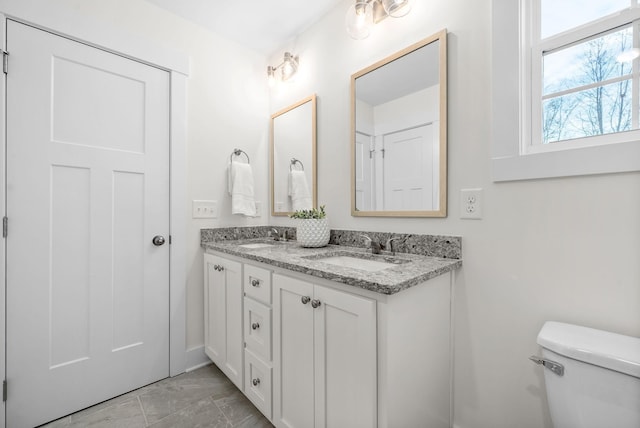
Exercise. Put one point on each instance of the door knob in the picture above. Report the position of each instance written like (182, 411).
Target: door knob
(158, 240)
(305, 299)
(315, 303)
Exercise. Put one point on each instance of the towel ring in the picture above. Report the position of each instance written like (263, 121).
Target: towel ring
(295, 161)
(238, 152)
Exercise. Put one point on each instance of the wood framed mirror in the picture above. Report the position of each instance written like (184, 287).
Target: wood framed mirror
(293, 158)
(399, 133)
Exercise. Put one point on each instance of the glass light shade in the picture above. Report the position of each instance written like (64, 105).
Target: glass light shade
(359, 20)
(397, 8)
(289, 66)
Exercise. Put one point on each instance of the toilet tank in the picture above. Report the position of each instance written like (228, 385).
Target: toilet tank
(601, 382)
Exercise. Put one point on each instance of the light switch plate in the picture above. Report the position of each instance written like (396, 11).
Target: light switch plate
(205, 209)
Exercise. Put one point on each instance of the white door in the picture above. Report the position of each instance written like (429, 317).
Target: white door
(293, 380)
(223, 315)
(411, 169)
(87, 191)
(364, 182)
(345, 360)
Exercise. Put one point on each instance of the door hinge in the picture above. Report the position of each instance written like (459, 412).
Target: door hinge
(169, 239)
(5, 62)
(4, 390)
(5, 226)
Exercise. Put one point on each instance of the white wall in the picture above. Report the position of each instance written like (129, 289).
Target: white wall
(559, 249)
(227, 107)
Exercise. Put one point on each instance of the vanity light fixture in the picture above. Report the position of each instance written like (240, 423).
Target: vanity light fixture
(364, 13)
(289, 67)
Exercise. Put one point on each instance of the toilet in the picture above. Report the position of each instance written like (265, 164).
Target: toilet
(592, 377)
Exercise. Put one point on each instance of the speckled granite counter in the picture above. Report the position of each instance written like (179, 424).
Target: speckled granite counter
(406, 270)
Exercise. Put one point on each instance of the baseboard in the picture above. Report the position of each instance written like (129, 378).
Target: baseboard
(196, 358)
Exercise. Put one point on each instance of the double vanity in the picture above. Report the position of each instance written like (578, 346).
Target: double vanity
(333, 336)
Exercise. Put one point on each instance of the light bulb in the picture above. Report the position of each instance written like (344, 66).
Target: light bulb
(359, 20)
(289, 66)
(397, 8)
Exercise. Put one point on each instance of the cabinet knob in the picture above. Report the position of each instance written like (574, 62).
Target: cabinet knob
(255, 326)
(315, 303)
(255, 382)
(305, 299)
(216, 267)
(255, 282)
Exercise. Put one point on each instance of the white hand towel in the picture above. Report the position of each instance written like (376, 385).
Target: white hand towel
(299, 191)
(241, 189)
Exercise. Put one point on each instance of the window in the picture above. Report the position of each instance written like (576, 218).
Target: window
(578, 92)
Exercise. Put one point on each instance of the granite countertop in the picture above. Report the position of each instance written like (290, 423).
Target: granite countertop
(406, 271)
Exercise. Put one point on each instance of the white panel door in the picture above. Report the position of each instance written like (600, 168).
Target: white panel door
(411, 169)
(223, 316)
(364, 182)
(293, 400)
(345, 360)
(87, 190)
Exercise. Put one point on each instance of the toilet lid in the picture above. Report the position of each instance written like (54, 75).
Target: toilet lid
(601, 348)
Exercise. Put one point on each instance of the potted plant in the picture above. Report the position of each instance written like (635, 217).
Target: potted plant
(313, 228)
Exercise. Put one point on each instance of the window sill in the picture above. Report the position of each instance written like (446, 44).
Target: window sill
(612, 158)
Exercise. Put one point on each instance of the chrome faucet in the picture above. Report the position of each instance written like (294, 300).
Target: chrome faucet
(389, 245)
(275, 234)
(375, 246)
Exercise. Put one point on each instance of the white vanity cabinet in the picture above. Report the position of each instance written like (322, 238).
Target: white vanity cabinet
(324, 356)
(223, 315)
(258, 364)
(313, 353)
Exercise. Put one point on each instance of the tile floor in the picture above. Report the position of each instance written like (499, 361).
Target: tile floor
(201, 398)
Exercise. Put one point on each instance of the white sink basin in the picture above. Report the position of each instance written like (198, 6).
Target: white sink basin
(256, 245)
(357, 263)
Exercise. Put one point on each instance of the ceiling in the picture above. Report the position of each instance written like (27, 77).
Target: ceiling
(262, 25)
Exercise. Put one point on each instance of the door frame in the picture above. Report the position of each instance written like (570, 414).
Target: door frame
(114, 40)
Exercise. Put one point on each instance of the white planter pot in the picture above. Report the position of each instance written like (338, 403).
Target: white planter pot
(313, 232)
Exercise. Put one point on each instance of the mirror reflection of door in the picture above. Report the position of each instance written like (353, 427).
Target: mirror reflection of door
(364, 177)
(399, 133)
(410, 169)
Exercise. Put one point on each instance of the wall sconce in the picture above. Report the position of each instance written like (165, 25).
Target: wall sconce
(364, 13)
(289, 67)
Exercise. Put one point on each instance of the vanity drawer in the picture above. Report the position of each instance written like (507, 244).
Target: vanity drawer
(257, 283)
(257, 382)
(257, 328)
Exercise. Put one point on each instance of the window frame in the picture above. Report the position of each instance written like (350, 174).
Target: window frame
(515, 26)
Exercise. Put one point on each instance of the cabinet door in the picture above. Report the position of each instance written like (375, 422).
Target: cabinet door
(293, 353)
(223, 315)
(345, 359)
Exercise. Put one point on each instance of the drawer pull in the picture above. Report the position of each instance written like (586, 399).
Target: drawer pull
(255, 382)
(255, 326)
(305, 300)
(255, 282)
(315, 303)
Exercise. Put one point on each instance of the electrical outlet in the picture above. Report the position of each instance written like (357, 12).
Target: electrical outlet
(258, 209)
(471, 204)
(205, 209)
